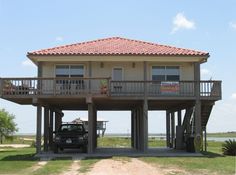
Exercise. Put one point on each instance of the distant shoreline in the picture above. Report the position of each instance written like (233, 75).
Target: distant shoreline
(218, 134)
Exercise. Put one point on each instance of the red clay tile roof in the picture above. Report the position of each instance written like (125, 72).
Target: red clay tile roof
(118, 46)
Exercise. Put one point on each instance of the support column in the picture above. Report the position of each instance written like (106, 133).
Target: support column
(168, 129)
(143, 134)
(172, 129)
(95, 126)
(198, 127)
(145, 123)
(38, 129)
(132, 129)
(58, 120)
(179, 131)
(135, 128)
(179, 117)
(46, 129)
(197, 114)
(51, 129)
(205, 139)
(91, 120)
(138, 128)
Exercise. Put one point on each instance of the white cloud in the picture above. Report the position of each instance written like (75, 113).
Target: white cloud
(28, 63)
(233, 96)
(233, 25)
(181, 22)
(59, 38)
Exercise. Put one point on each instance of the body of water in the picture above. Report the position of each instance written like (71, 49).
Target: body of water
(163, 137)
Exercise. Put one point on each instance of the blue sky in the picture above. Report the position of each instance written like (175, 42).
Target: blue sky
(204, 25)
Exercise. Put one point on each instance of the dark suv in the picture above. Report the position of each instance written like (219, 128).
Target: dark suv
(71, 136)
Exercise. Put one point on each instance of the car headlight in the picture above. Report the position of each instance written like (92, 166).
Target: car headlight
(86, 136)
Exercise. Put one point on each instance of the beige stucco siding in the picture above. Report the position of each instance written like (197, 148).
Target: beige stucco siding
(186, 71)
(131, 70)
(48, 69)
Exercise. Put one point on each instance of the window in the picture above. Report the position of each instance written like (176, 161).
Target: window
(77, 71)
(72, 127)
(62, 71)
(69, 71)
(165, 73)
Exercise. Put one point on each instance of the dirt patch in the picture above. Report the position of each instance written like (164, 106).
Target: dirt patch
(116, 167)
(74, 169)
(38, 165)
(172, 170)
(33, 168)
(15, 145)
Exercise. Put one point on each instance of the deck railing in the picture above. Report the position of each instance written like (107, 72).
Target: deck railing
(105, 86)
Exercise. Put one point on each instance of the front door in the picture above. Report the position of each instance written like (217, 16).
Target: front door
(117, 76)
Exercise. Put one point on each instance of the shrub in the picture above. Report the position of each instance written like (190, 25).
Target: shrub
(229, 147)
(33, 144)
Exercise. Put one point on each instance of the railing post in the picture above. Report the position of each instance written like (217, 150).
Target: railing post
(90, 75)
(39, 86)
(1, 87)
(220, 87)
(54, 86)
(108, 86)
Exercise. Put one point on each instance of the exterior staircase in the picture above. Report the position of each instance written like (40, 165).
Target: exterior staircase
(206, 112)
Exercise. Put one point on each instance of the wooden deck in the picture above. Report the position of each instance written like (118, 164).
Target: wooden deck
(25, 88)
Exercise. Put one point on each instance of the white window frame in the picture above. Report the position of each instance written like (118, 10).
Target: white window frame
(55, 66)
(122, 71)
(165, 69)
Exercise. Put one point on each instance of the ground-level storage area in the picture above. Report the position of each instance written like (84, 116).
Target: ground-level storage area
(184, 119)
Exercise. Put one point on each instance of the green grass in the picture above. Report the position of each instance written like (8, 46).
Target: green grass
(217, 165)
(212, 162)
(54, 167)
(114, 142)
(20, 161)
(222, 134)
(126, 142)
(215, 147)
(19, 139)
(156, 142)
(87, 164)
(16, 160)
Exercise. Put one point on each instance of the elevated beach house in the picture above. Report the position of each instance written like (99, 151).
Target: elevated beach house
(119, 74)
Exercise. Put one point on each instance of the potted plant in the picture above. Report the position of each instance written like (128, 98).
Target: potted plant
(103, 86)
(8, 87)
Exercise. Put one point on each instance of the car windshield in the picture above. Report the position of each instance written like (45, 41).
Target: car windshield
(76, 128)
